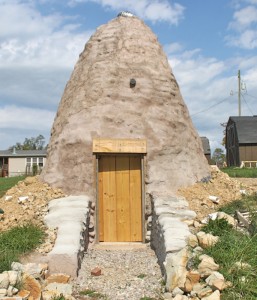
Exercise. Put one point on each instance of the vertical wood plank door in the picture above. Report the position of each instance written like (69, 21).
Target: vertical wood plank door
(120, 198)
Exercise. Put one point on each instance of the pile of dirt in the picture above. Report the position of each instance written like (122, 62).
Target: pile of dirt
(27, 202)
(221, 185)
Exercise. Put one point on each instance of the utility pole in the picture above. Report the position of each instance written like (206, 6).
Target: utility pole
(239, 93)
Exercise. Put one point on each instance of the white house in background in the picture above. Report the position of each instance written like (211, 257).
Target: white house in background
(19, 162)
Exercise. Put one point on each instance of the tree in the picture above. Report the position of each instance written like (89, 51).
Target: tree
(224, 125)
(218, 156)
(34, 143)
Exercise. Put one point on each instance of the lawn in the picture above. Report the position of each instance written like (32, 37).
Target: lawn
(240, 172)
(17, 241)
(7, 182)
(235, 248)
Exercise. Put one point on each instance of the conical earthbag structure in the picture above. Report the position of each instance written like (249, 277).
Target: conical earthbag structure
(122, 87)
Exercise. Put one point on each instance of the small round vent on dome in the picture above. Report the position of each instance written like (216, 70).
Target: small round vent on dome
(125, 14)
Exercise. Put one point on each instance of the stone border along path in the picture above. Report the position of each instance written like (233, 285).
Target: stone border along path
(169, 233)
(71, 216)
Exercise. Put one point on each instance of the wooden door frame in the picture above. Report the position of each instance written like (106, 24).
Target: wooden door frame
(142, 156)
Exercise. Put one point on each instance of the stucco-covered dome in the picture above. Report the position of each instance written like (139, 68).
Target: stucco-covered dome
(123, 87)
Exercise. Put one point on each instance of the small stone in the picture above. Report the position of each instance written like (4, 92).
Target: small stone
(176, 269)
(16, 266)
(197, 250)
(192, 241)
(96, 272)
(177, 291)
(33, 269)
(13, 277)
(198, 287)
(207, 265)
(189, 222)
(213, 296)
(216, 281)
(15, 291)
(3, 292)
(197, 224)
(10, 291)
(4, 280)
(167, 296)
(206, 239)
(204, 292)
(58, 278)
(24, 294)
(192, 278)
(32, 285)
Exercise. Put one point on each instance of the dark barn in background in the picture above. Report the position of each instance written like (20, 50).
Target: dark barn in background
(206, 148)
(241, 140)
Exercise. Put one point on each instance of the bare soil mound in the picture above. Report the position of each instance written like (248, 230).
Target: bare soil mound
(222, 186)
(38, 194)
(26, 202)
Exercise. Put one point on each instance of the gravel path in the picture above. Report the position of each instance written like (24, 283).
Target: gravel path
(127, 273)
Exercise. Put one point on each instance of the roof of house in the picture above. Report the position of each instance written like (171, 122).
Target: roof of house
(246, 129)
(23, 153)
(206, 145)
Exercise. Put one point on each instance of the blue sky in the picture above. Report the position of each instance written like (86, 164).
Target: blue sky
(206, 42)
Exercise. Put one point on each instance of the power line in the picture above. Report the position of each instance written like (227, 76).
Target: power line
(210, 107)
(251, 96)
(247, 105)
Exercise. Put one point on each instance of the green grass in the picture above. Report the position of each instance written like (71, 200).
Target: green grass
(60, 297)
(234, 246)
(215, 227)
(240, 172)
(7, 182)
(141, 276)
(247, 203)
(16, 242)
(92, 294)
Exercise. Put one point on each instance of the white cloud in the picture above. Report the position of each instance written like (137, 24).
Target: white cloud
(37, 40)
(246, 40)
(12, 117)
(21, 19)
(244, 17)
(196, 71)
(37, 54)
(244, 27)
(153, 10)
(173, 48)
(205, 84)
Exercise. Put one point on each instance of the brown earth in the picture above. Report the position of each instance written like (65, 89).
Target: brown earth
(33, 209)
(220, 185)
(39, 194)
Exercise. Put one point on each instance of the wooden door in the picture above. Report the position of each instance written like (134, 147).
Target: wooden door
(120, 198)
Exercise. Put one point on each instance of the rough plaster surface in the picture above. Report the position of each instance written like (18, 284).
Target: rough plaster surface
(70, 215)
(98, 102)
